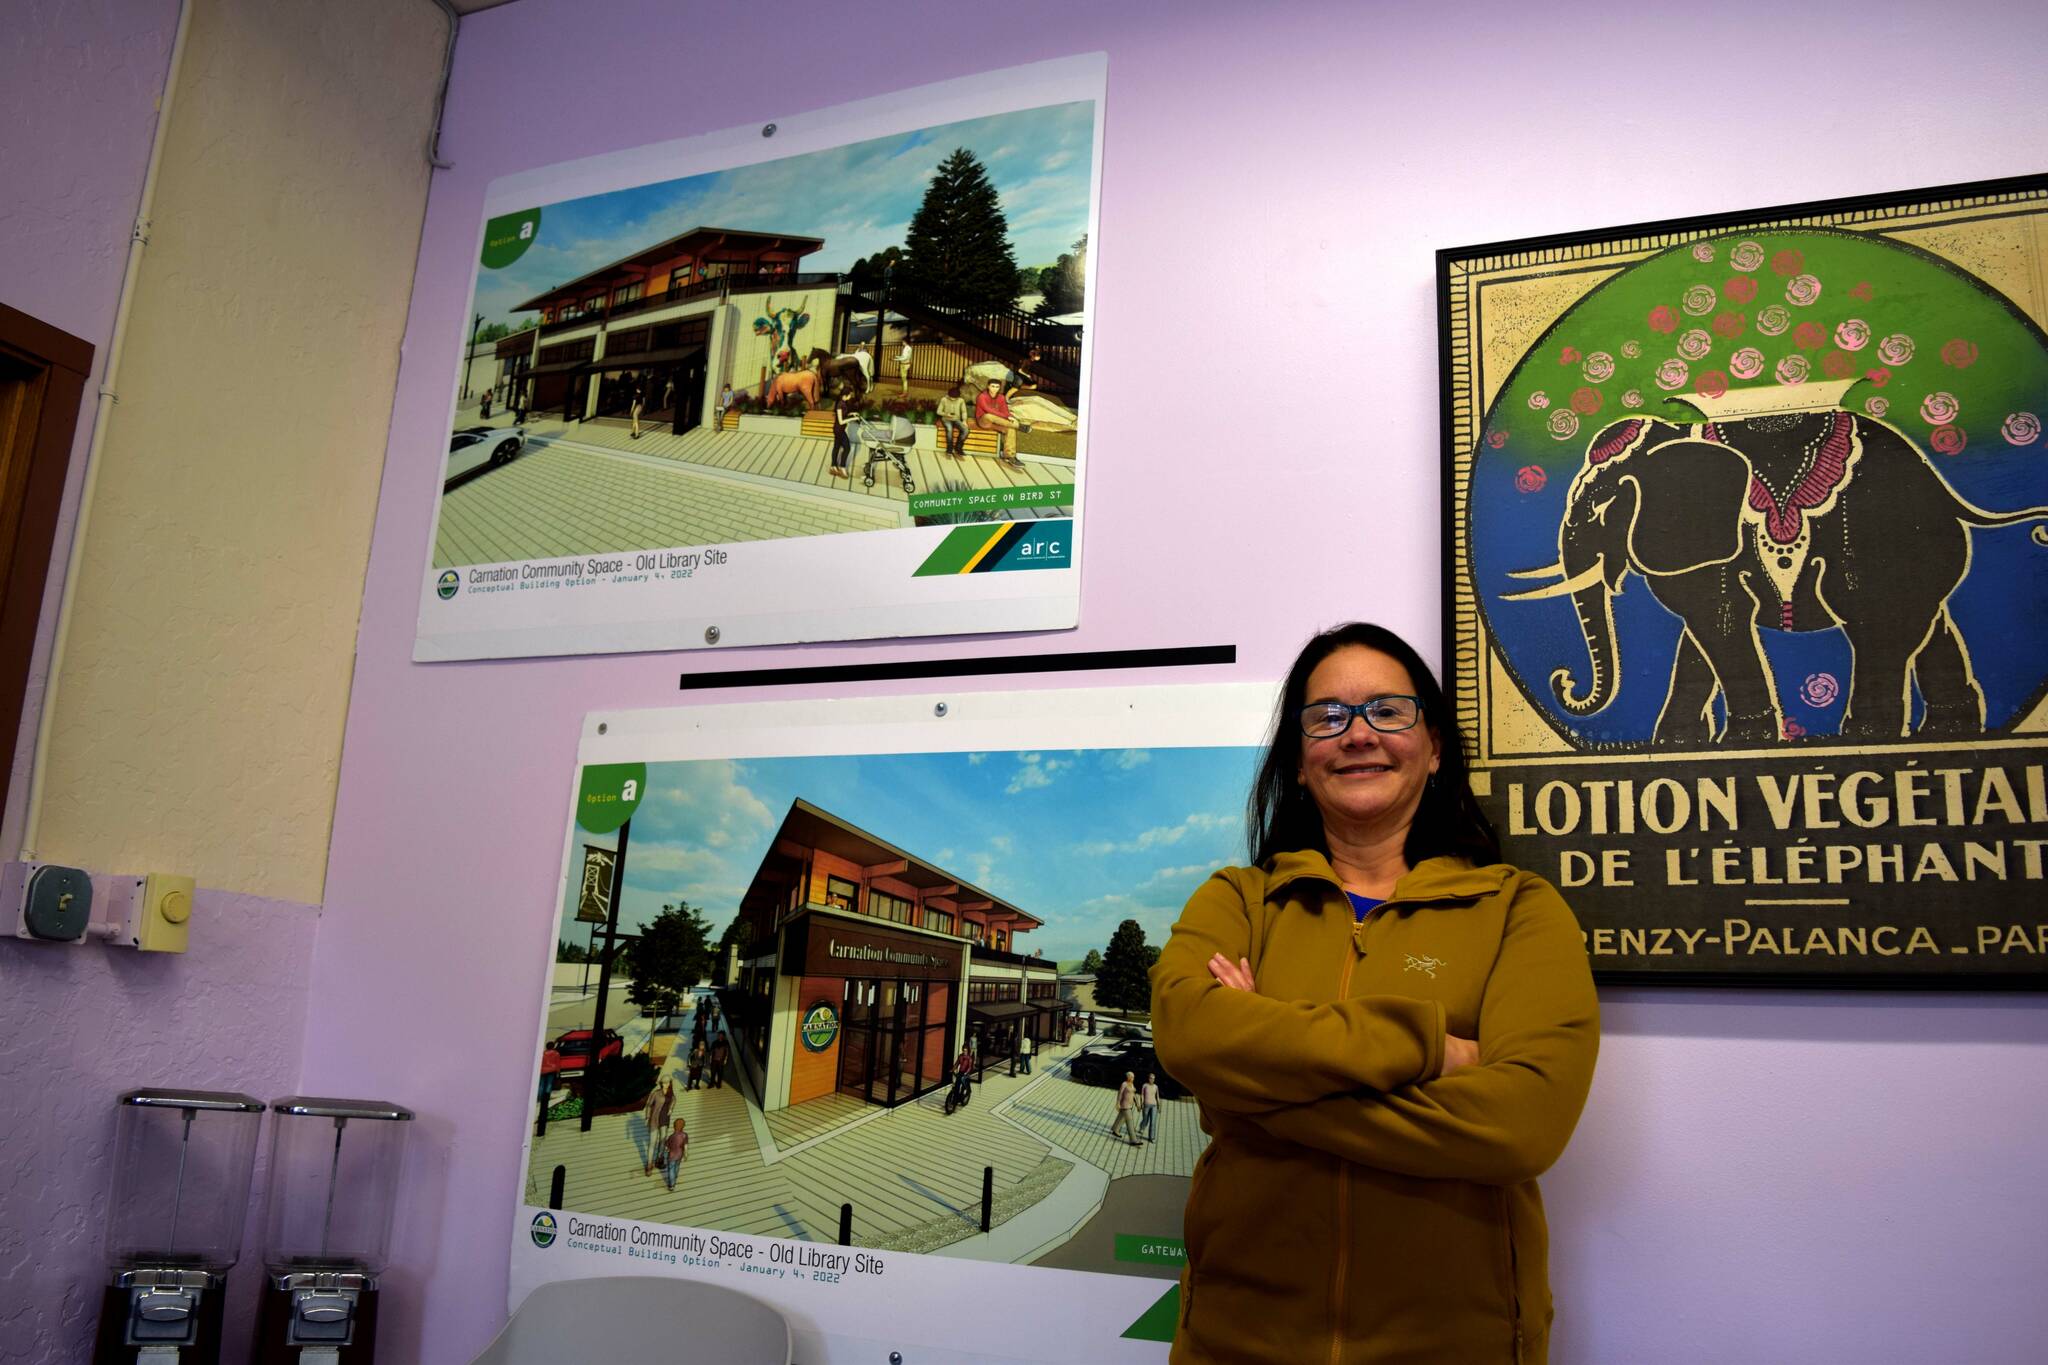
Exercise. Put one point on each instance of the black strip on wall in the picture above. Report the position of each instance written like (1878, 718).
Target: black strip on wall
(1189, 656)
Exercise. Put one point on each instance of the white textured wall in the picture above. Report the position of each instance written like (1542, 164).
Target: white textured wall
(200, 700)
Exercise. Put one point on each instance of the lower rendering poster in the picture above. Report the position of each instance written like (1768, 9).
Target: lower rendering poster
(846, 1010)
(822, 378)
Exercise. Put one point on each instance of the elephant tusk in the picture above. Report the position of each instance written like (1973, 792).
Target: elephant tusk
(1547, 571)
(1584, 578)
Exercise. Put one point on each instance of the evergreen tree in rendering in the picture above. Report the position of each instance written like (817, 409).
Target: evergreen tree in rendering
(957, 248)
(1061, 282)
(672, 954)
(1122, 982)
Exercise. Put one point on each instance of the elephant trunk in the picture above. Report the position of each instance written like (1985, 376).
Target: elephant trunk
(1595, 605)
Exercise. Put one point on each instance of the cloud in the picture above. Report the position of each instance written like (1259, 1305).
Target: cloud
(976, 760)
(1159, 836)
(1002, 843)
(1127, 759)
(1179, 876)
(1035, 770)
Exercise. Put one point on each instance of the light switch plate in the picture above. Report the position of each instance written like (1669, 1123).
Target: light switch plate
(46, 902)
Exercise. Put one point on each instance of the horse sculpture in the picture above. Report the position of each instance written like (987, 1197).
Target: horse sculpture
(839, 369)
(804, 382)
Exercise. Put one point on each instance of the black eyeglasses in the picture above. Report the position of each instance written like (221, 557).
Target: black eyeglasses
(1388, 715)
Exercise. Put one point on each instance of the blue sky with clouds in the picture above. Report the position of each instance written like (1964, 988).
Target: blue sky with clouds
(1084, 839)
(858, 198)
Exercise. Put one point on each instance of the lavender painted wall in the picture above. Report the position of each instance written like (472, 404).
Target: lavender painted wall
(1815, 1177)
(78, 1026)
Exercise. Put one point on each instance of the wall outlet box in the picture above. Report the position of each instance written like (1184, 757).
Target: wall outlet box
(151, 912)
(46, 902)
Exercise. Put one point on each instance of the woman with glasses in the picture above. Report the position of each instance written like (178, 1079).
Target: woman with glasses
(1391, 1034)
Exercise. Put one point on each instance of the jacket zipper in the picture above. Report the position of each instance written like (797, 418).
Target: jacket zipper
(1340, 1268)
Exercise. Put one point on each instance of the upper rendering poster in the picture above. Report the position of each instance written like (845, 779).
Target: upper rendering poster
(847, 1008)
(1748, 600)
(818, 379)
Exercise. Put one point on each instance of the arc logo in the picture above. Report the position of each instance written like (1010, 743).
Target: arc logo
(448, 584)
(544, 1229)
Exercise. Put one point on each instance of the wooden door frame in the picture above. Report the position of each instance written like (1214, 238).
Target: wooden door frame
(43, 374)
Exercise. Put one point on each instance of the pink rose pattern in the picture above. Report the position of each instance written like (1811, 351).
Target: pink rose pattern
(1496, 439)
(1672, 374)
(1695, 343)
(1662, 319)
(1747, 256)
(1877, 407)
(1792, 370)
(1940, 408)
(1948, 439)
(1539, 400)
(1809, 336)
(1729, 326)
(1773, 320)
(1879, 376)
(1568, 356)
(1586, 401)
(1703, 253)
(1530, 479)
(1564, 424)
(1852, 334)
(2021, 428)
(1896, 349)
(1820, 689)
(1599, 366)
(1959, 353)
(1632, 399)
(1712, 384)
(1698, 301)
(1746, 363)
(1802, 290)
(1739, 289)
(1632, 349)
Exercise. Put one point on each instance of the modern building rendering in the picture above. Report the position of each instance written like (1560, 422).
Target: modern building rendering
(665, 320)
(866, 968)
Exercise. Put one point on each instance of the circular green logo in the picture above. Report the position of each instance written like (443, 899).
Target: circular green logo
(447, 585)
(543, 1229)
(821, 1026)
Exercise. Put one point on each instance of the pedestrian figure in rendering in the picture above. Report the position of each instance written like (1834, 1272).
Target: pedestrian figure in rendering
(696, 1064)
(698, 1023)
(1126, 1101)
(1411, 1050)
(668, 1106)
(724, 406)
(719, 1053)
(844, 412)
(963, 1074)
(953, 415)
(636, 399)
(651, 1118)
(483, 410)
(674, 1149)
(1148, 1107)
(992, 413)
(1024, 1054)
(902, 364)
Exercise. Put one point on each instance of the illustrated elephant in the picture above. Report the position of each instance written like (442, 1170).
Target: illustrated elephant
(1799, 521)
(839, 369)
(804, 382)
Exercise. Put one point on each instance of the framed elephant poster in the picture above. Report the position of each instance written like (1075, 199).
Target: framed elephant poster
(1746, 599)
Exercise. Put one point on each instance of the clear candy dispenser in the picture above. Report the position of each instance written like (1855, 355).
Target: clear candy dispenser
(334, 1168)
(182, 1161)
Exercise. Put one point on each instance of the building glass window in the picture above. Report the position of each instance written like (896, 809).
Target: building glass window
(893, 1037)
(939, 921)
(976, 930)
(841, 894)
(626, 293)
(882, 905)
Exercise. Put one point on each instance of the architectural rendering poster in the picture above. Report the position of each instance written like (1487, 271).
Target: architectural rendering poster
(817, 379)
(827, 910)
(1748, 598)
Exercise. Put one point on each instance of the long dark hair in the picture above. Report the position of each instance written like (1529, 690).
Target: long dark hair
(1281, 816)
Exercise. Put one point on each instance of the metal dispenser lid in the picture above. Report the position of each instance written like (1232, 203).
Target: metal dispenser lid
(226, 1100)
(316, 1107)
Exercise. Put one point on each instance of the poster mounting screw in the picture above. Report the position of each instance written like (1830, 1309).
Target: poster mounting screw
(767, 130)
(711, 635)
(602, 727)
(939, 710)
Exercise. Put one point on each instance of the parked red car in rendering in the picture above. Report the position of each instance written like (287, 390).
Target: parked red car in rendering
(572, 1049)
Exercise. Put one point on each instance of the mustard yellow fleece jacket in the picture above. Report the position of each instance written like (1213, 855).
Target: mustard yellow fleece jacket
(1352, 1205)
